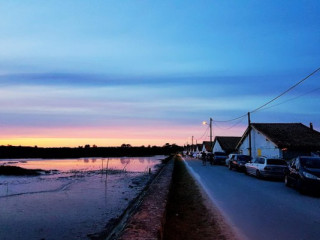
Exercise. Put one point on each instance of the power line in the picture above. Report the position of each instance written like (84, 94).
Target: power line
(272, 100)
(291, 99)
(205, 132)
(289, 89)
(234, 125)
(231, 120)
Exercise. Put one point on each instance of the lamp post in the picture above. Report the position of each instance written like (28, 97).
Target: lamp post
(210, 125)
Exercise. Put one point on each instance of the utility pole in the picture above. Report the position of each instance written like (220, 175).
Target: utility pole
(192, 143)
(249, 130)
(211, 134)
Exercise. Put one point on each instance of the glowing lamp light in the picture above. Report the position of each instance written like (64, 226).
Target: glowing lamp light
(204, 123)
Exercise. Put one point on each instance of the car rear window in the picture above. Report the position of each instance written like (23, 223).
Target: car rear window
(244, 158)
(276, 162)
(310, 162)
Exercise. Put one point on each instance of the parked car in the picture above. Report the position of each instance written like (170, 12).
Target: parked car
(219, 158)
(229, 157)
(238, 162)
(304, 174)
(267, 167)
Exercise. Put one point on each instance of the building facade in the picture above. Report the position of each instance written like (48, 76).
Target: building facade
(279, 140)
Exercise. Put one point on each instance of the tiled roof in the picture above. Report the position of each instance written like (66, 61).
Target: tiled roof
(228, 144)
(207, 145)
(290, 135)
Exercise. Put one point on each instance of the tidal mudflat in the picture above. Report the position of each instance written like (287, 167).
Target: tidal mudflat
(74, 199)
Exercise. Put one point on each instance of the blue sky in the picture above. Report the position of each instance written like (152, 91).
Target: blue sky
(138, 66)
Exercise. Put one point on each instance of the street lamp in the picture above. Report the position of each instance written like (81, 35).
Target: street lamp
(205, 123)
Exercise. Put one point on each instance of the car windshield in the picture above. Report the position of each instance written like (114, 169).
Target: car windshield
(276, 162)
(244, 158)
(310, 162)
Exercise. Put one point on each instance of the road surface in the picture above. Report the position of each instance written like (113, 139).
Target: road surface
(259, 209)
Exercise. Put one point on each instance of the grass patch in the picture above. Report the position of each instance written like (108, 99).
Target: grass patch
(187, 216)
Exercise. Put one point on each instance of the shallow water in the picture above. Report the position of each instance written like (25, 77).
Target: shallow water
(131, 164)
(78, 200)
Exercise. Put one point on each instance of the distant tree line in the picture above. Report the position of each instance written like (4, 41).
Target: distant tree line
(87, 151)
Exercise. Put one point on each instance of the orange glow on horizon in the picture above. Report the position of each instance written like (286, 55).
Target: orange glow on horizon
(75, 142)
(109, 136)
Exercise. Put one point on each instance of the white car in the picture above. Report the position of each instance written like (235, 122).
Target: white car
(266, 167)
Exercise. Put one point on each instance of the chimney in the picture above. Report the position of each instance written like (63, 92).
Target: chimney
(311, 126)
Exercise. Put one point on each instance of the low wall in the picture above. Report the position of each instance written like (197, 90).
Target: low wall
(148, 221)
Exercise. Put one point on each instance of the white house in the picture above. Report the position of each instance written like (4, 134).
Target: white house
(279, 140)
(225, 144)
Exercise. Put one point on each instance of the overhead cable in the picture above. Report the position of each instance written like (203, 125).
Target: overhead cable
(205, 132)
(272, 100)
(289, 89)
(234, 125)
(294, 98)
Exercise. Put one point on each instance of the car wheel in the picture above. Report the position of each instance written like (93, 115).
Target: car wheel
(258, 174)
(246, 171)
(287, 181)
(230, 167)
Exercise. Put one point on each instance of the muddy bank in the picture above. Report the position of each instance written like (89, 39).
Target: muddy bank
(18, 171)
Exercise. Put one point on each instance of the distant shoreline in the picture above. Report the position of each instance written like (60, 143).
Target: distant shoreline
(17, 152)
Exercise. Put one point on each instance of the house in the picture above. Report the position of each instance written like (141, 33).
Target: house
(206, 146)
(280, 140)
(199, 148)
(225, 144)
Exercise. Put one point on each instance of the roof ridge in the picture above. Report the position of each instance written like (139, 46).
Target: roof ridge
(227, 136)
(280, 123)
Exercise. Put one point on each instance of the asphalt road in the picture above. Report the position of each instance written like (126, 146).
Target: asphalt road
(259, 209)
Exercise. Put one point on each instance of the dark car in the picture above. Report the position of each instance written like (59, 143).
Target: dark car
(304, 174)
(238, 161)
(219, 158)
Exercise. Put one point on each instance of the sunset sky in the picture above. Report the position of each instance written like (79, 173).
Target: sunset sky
(149, 72)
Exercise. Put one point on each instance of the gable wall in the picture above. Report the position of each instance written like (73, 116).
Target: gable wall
(260, 144)
(217, 147)
(204, 148)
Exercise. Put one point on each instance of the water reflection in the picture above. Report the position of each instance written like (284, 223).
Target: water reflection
(132, 164)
